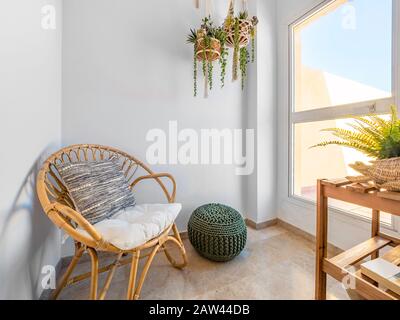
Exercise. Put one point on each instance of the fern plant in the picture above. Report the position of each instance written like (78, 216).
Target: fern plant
(372, 135)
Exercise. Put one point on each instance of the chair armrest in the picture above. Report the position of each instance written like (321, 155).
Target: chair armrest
(157, 176)
(78, 219)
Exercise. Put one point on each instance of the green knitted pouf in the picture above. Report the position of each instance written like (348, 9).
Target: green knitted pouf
(217, 232)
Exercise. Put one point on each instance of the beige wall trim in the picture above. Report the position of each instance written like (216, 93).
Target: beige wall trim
(184, 235)
(259, 226)
(332, 249)
(263, 225)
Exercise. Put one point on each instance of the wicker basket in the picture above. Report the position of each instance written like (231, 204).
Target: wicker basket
(217, 232)
(384, 173)
(211, 52)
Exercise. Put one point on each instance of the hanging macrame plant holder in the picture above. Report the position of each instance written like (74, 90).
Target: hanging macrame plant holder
(208, 51)
(210, 44)
(238, 34)
(208, 47)
(245, 26)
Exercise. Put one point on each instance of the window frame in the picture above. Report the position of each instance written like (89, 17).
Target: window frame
(379, 106)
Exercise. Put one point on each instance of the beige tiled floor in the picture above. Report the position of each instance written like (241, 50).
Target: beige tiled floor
(276, 264)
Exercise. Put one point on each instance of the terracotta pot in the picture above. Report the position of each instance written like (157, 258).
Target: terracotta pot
(211, 52)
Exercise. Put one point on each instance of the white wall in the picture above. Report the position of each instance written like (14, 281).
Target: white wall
(345, 231)
(30, 109)
(262, 115)
(127, 69)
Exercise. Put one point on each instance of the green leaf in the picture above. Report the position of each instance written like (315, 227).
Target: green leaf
(372, 135)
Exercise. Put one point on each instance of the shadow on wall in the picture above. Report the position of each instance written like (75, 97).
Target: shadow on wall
(28, 241)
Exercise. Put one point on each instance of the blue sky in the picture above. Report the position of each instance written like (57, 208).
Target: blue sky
(363, 53)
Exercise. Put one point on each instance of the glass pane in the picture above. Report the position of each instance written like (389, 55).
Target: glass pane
(343, 54)
(329, 162)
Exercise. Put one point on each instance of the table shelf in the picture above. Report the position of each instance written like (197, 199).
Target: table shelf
(345, 266)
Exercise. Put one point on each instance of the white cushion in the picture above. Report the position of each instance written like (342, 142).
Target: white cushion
(135, 226)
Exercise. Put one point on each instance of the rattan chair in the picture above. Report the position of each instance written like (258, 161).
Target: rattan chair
(59, 207)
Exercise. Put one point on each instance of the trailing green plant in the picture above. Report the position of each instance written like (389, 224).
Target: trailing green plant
(220, 34)
(253, 45)
(244, 60)
(195, 73)
(223, 62)
(206, 36)
(236, 48)
(253, 32)
(204, 64)
(241, 29)
(372, 135)
(237, 32)
(210, 74)
(192, 39)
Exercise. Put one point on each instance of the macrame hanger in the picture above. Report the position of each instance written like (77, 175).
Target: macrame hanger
(231, 8)
(208, 7)
(208, 12)
(244, 5)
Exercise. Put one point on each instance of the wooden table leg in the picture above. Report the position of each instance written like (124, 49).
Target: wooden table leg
(321, 242)
(376, 216)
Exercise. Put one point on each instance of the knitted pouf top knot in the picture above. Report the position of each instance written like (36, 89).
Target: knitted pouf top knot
(217, 232)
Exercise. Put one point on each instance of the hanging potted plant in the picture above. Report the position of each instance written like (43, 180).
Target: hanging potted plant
(240, 30)
(209, 46)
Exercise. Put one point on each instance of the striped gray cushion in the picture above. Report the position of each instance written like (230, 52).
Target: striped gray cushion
(98, 188)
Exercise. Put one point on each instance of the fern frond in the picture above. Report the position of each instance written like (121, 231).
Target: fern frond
(353, 145)
(393, 110)
(372, 135)
(374, 132)
(351, 136)
(366, 121)
(380, 123)
(367, 136)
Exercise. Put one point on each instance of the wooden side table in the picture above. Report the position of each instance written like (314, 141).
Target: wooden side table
(338, 267)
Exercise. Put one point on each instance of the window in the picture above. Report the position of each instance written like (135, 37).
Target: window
(341, 65)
